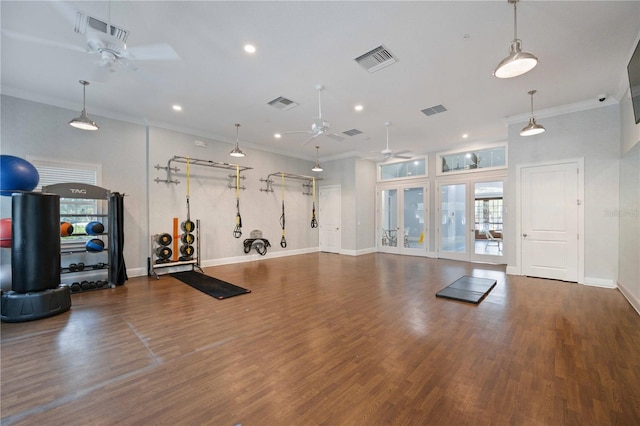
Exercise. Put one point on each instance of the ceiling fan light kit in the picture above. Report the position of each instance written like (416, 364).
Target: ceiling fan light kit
(84, 122)
(518, 62)
(532, 128)
(237, 152)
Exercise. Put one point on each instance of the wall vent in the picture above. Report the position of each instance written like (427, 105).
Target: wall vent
(376, 59)
(282, 103)
(84, 21)
(434, 110)
(352, 132)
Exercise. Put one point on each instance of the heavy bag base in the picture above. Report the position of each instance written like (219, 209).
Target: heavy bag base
(19, 307)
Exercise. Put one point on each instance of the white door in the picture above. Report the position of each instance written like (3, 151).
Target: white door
(549, 220)
(329, 218)
(469, 219)
(401, 225)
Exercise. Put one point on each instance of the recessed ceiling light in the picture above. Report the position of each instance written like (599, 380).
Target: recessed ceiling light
(358, 107)
(277, 136)
(177, 108)
(465, 135)
(249, 48)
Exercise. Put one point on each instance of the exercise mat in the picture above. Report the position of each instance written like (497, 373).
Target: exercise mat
(468, 289)
(209, 285)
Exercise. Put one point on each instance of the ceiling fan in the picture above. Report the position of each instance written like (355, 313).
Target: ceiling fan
(319, 127)
(387, 153)
(102, 38)
(108, 41)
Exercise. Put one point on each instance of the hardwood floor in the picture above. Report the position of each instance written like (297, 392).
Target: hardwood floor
(329, 339)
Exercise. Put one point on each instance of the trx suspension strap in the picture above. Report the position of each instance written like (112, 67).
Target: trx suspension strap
(314, 222)
(283, 241)
(237, 232)
(187, 225)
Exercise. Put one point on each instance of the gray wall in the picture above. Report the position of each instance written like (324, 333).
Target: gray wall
(629, 212)
(38, 130)
(595, 135)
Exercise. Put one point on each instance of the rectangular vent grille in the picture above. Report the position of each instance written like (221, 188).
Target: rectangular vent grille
(376, 59)
(352, 132)
(283, 104)
(434, 110)
(84, 21)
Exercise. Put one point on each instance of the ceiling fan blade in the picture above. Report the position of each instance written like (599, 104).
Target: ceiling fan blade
(309, 139)
(334, 136)
(296, 132)
(154, 52)
(43, 41)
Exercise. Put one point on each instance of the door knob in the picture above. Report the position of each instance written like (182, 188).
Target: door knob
(524, 235)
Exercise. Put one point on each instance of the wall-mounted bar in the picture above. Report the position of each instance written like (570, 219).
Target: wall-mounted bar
(198, 162)
(269, 182)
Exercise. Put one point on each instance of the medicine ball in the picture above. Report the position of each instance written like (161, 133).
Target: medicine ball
(163, 252)
(66, 229)
(5, 232)
(163, 239)
(94, 245)
(186, 250)
(94, 228)
(17, 174)
(188, 226)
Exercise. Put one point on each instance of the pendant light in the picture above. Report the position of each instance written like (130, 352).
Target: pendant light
(518, 62)
(84, 122)
(237, 152)
(532, 128)
(316, 167)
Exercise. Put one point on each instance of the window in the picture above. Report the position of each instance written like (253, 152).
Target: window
(403, 169)
(494, 157)
(72, 210)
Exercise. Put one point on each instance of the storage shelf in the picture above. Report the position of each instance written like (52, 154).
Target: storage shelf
(65, 252)
(177, 263)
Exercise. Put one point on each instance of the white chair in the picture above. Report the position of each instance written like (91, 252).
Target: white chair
(491, 239)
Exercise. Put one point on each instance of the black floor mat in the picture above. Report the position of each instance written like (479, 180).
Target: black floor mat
(468, 289)
(209, 285)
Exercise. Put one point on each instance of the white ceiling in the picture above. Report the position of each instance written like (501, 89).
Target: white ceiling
(446, 50)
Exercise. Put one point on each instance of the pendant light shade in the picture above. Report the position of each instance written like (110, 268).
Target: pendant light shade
(84, 122)
(518, 62)
(532, 128)
(237, 152)
(316, 167)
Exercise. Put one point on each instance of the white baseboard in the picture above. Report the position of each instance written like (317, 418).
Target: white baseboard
(512, 270)
(633, 300)
(358, 252)
(599, 282)
(136, 272)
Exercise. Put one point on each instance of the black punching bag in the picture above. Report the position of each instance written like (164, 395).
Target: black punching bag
(35, 249)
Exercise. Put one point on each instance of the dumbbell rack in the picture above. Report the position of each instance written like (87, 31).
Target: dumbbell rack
(194, 261)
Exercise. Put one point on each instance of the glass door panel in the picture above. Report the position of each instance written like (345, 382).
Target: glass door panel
(388, 228)
(414, 227)
(488, 221)
(453, 221)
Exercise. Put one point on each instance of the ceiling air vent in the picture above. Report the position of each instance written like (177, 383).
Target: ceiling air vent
(283, 104)
(352, 132)
(376, 59)
(84, 21)
(434, 110)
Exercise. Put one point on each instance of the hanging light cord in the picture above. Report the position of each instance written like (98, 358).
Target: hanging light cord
(283, 240)
(515, 22)
(314, 221)
(237, 232)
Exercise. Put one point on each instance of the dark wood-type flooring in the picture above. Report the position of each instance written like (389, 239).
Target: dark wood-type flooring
(329, 339)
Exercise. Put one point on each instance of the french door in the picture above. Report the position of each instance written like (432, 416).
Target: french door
(469, 219)
(402, 219)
